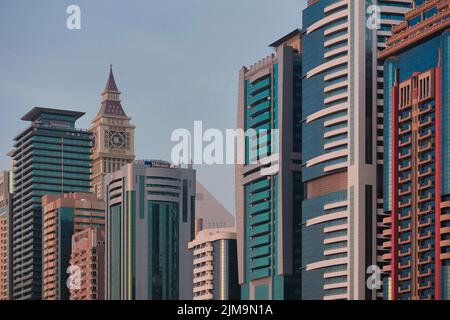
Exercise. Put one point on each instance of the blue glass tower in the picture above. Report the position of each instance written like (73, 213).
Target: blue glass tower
(342, 149)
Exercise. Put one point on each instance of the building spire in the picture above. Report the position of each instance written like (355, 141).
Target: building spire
(111, 105)
(111, 83)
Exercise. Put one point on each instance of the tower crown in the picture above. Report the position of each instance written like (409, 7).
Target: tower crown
(111, 106)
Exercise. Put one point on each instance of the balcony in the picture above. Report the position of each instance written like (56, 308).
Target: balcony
(404, 266)
(404, 205)
(405, 180)
(405, 167)
(427, 210)
(424, 286)
(407, 241)
(405, 143)
(404, 131)
(427, 135)
(426, 198)
(425, 173)
(406, 290)
(405, 118)
(427, 160)
(426, 249)
(428, 122)
(426, 236)
(404, 254)
(427, 185)
(387, 245)
(445, 230)
(406, 229)
(428, 109)
(426, 223)
(405, 192)
(404, 278)
(425, 147)
(425, 274)
(404, 156)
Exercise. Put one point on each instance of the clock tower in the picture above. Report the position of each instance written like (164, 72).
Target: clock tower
(113, 137)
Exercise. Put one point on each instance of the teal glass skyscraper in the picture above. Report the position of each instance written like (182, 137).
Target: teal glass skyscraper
(268, 185)
(51, 156)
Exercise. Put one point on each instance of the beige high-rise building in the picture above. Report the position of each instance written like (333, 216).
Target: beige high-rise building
(113, 135)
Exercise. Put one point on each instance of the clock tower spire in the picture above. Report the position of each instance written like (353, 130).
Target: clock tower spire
(113, 136)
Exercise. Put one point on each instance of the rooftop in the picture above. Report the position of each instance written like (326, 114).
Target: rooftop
(37, 111)
(285, 38)
(421, 23)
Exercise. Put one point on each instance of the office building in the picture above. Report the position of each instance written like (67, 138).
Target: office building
(417, 159)
(342, 144)
(150, 221)
(65, 215)
(88, 262)
(113, 136)
(215, 264)
(268, 184)
(50, 156)
(212, 213)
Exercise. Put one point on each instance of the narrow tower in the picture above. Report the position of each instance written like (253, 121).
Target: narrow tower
(113, 135)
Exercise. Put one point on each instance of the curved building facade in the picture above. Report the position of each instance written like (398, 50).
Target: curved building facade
(342, 143)
(150, 221)
(215, 264)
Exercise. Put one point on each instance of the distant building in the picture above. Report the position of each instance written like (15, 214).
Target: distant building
(212, 213)
(215, 264)
(5, 236)
(51, 156)
(65, 215)
(88, 261)
(113, 135)
(150, 221)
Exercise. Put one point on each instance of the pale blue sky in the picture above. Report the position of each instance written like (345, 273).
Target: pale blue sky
(175, 61)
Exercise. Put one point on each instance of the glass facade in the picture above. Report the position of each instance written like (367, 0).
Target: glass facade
(326, 134)
(50, 157)
(163, 239)
(149, 226)
(270, 270)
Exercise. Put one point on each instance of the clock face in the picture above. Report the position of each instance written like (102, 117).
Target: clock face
(117, 140)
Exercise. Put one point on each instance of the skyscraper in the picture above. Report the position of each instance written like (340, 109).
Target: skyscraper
(150, 221)
(268, 185)
(417, 159)
(113, 136)
(51, 156)
(65, 215)
(88, 258)
(5, 236)
(342, 143)
(215, 264)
